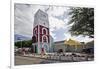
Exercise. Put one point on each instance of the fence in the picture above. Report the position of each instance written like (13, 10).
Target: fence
(69, 57)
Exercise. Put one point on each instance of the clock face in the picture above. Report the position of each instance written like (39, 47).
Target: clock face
(44, 20)
(43, 17)
(44, 23)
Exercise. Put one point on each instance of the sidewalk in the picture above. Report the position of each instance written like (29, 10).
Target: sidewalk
(51, 58)
(35, 56)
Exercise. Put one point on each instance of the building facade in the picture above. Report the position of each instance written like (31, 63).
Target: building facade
(60, 45)
(41, 39)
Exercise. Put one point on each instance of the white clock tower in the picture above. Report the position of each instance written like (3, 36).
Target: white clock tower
(41, 37)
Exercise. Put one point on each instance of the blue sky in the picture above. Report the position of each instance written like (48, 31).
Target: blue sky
(58, 21)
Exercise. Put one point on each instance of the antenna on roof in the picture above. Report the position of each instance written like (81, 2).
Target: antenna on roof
(47, 9)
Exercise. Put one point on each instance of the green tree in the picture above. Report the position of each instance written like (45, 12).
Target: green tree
(82, 20)
(24, 43)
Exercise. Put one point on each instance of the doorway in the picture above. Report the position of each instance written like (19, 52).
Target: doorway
(35, 49)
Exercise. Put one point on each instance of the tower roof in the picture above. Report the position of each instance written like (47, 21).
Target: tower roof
(40, 12)
(41, 18)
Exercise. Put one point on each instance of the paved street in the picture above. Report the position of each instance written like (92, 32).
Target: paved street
(29, 59)
(19, 60)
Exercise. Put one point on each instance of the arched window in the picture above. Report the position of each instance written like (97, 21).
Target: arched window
(44, 31)
(34, 39)
(44, 38)
(35, 31)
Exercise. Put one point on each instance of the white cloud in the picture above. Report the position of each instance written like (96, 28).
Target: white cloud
(53, 35)
(66, 21)
(56, 23)
(57, 10)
